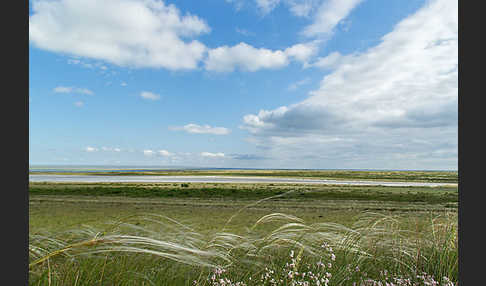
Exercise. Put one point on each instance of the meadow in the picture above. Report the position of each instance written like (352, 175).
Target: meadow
(241, 234)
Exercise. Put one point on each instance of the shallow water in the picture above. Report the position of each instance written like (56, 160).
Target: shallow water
(215, 179)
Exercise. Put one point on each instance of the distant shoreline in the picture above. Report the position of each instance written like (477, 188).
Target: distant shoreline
(93, 168)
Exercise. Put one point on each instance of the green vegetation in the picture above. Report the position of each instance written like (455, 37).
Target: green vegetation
(375, 248)
(253, 191)
(408, 176)
(245, 234)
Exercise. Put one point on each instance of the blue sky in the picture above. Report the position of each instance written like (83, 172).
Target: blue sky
(357, 84)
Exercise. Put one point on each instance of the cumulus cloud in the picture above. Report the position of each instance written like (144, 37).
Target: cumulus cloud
(303, 51)
(71, 89)
(149, 95)
(245, 57)
(143, 34)
(122, 32)
(212, 155)
(404, 88)
(248, 58)
(202, 129)
(79, 103)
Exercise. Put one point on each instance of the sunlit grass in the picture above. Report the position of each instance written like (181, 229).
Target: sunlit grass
(376, 248)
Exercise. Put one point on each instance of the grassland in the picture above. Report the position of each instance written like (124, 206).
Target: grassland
(175, 234)
(247, 191)
(407, 176)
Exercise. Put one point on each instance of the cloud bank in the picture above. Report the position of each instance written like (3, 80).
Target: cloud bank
(402, 92)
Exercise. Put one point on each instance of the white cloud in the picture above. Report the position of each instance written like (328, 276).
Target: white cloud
(84, 91)
(212, 155)
(74, 61)
(122, 32)
(202, 129)
(302, 8)
(111, 149)
(63, 89)
(297, 84)
(77, 61)
(90, 149)
(164, 153)
(244, 32)
(123, 84)
(70, 89)
(237, 3)
(148, 152)
(299, 8)
(149, 95)
(328, 15)
(79, 103)
(249, 58)
(245, 57)
(267, 5)
(331, 61)
(403, 89)
(303, 51)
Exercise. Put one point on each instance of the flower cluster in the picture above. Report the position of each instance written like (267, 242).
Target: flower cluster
(321, 273)
(422, 280)
(297, 274)
(217, 279)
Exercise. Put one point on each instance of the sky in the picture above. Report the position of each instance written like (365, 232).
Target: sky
(320, 84)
